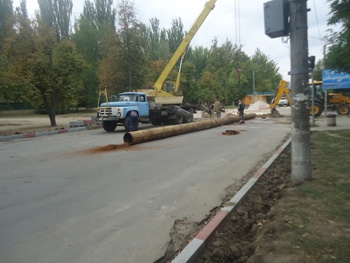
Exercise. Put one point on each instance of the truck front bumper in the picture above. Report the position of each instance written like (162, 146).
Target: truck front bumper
(100, 119)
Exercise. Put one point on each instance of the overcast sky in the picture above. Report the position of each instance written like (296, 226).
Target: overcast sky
(241, 22)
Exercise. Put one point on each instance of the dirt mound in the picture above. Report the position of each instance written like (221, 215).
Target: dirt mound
(108, 148)
(230, 132)
(259, 105)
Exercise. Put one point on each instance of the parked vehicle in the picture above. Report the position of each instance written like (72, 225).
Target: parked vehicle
(283, 101)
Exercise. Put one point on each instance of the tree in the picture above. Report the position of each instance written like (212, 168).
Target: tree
(224, 60)
(175, 35)
(87, 42)
(338, 56)
(158, 45)
(129, 49)
(92, 33)
(198, 57)
(188, 82)
(16, 50)
(111, 71)
(5, 13)
(238, 86)
(207, 89)
(265, 72)
(3, 58)
(57, 14)
(192, 71)
(68, 78)
(105, 14)
(319, 67)
(22, 10)
(57, 72)
(43, 73)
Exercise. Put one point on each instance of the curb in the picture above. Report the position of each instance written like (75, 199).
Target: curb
(39, 134)
(194, 248)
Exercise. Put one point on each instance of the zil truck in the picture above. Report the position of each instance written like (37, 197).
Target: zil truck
(117, 111)
(163, 104)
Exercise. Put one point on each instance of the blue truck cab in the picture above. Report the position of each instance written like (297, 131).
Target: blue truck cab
(117, 110)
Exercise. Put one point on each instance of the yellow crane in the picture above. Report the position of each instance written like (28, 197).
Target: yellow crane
(164, 101)
(166, 92)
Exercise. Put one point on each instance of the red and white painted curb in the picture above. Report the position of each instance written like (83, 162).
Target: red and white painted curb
(39, 134)
(193, 249)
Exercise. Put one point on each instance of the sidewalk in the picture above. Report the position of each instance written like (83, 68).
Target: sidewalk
(342, 123)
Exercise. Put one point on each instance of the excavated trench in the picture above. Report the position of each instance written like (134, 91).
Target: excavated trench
(239, 236)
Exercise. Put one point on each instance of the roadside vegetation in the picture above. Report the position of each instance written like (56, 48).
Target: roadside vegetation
(320, 218)
(50, 63)
(279, 222)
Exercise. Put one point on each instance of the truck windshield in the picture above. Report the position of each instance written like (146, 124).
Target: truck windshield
(127, 97)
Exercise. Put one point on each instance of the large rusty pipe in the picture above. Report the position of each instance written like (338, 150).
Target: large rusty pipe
(136, 137)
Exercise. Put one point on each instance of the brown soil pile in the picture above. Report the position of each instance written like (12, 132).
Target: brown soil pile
(230, 132)
(109, 147)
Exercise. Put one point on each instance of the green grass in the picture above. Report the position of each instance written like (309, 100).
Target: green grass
(321, 220)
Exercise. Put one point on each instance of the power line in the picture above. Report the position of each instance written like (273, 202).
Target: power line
(237, 22)
(318, 26)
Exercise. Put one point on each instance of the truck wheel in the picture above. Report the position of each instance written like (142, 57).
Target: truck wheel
(343, 109)
(318, 109)
(109, 126)
(127, 124)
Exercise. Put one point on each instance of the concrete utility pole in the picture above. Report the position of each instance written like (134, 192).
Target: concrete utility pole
(301, 155)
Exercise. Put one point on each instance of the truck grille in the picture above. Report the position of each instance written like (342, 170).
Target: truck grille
(105, 112)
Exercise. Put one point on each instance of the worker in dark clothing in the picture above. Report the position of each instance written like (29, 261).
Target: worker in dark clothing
(241, 111)
(134, 121)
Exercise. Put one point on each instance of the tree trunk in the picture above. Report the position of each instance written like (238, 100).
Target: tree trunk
(52, 116)
(53, 120)
(52, 107)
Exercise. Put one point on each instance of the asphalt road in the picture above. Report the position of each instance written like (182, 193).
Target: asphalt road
(59, 202)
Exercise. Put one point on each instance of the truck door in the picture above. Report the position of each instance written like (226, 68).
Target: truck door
(143, 106)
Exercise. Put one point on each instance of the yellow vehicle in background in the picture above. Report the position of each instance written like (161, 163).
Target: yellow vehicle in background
(282, 90)
(335, 101)
(339, 102)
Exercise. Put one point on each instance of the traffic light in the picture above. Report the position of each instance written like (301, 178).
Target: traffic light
(311, 62)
